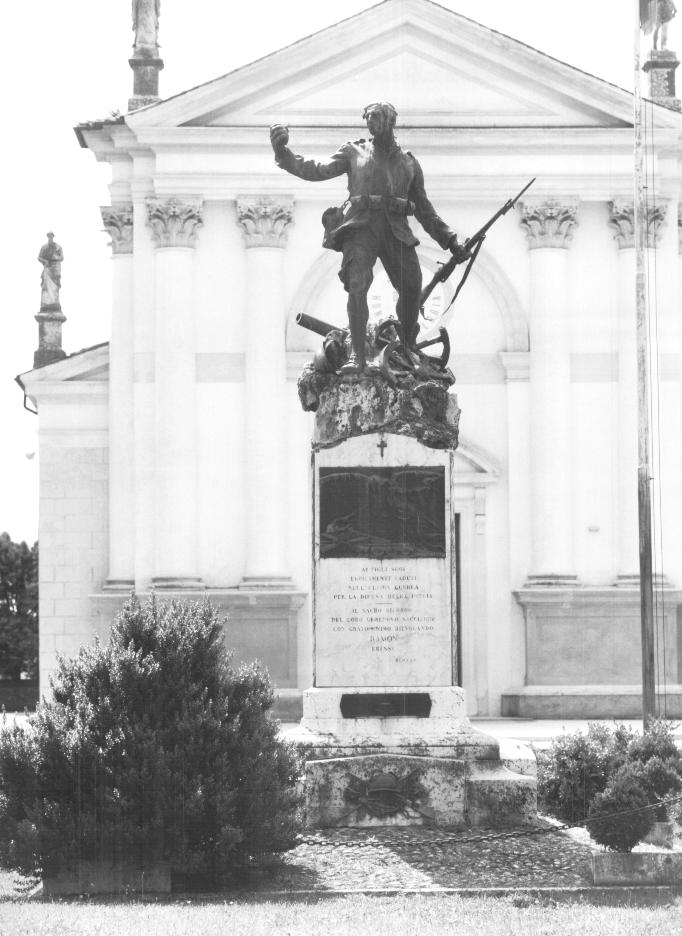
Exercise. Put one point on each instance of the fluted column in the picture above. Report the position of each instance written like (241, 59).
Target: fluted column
(265, 221)
(623, 223)
(549, 225)
(118, 224)
(174, 226)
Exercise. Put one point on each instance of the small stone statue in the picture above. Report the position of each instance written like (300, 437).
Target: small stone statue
(146, 25)
(51, 256)
(665, 12)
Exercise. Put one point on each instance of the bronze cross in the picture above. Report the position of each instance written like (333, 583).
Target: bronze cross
(381, 446)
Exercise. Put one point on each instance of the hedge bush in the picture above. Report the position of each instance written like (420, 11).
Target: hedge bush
(577, 768)
(623, 793)
(155, 748)
(607, 771)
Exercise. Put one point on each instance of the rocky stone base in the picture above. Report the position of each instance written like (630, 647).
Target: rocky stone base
(435, 770)
(400, 790)
(352, 406)
(402, 391)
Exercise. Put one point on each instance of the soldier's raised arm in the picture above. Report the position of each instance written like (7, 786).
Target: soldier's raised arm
(309, 169)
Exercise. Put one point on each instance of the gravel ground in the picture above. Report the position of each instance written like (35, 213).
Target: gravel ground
(411, 859)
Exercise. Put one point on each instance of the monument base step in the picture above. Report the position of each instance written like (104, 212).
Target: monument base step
(407, 769)
(444, 732)
(401, 790)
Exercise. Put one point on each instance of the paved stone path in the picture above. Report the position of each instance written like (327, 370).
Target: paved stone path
(552, 860)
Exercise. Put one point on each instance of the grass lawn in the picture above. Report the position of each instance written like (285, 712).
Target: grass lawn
(345, 916)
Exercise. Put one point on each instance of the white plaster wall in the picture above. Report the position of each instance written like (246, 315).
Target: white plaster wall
(74, 553)
(220, 280)
(221, 482)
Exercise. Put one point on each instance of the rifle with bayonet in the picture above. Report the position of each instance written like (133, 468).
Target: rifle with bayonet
(472, 245)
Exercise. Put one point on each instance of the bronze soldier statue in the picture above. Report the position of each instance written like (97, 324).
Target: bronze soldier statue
(385, 185)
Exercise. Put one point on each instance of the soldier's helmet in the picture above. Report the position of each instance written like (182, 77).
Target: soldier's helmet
(385, 107)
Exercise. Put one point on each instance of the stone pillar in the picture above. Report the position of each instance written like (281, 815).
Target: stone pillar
(548, 227)
(49, 338)
(144, 292)
(661, 65)
(623, 223)
(145, 80)
(265, 221)
(118, 224)
(174, 225)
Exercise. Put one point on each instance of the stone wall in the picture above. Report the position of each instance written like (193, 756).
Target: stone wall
(73, 536)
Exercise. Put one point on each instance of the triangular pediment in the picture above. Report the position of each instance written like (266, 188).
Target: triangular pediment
(438, 68)
(89, 364)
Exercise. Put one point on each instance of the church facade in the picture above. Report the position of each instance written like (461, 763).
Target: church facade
(176, 456)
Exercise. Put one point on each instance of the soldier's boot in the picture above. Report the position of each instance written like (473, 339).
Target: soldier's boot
(357, 320)
(407, 310)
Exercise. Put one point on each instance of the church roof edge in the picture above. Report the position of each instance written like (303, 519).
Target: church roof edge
(69, 357)
(355, 16)
(95, 125)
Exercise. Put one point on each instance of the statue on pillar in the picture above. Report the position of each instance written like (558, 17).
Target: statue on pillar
(665, 13)
(51, 256)
(145, 62)
(386, 184)
(146, 25)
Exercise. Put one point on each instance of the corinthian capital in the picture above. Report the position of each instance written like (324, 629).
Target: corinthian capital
(118, 224)
(623, 223)
(549, 223)
(174, 223)
(264, 220)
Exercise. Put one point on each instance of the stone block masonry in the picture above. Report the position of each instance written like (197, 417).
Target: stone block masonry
(73, 536)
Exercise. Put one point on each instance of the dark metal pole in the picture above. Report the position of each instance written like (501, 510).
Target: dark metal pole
(643, 479)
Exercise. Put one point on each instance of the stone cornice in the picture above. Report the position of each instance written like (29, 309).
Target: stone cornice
(118, 224)
(264, 220)
(623, 223)
(549, 223)
(174, 222)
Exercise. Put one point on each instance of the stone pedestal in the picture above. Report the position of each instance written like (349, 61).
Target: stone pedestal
(50, 323)
(384, 730)
(146, 68)
(660, 66)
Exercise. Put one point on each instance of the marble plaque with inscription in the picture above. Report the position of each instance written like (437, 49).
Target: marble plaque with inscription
(383, 607)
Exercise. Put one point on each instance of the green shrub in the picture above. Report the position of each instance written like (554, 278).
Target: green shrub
(154, 749)
(611, 770)
(625, 791)
(657, 741)
(577, 768)
(660, 780)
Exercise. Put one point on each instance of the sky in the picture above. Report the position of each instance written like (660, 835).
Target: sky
(67, 62)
